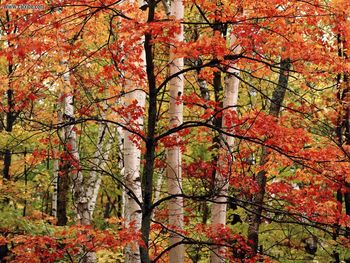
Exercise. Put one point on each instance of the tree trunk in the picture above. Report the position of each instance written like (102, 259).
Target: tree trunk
(55, 187)
(219, 206)
(56, 169)
(65, 167)
(258, 198)
(147, 178)
(132, 163)
(176, 215)
(10, 119)
(62, 194)
(71, 166)
(11, 114)
(121, 202)
(100, 161)
(343, 120)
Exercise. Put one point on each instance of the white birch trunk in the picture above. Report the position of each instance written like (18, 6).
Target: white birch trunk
(219, 207)
(174, 173)
(132, 194)
(84, 193)
(102, 152)
(94, 180)
(132, 162)
(97, 184)
(80, 199)
(70, 138)
(120, 136)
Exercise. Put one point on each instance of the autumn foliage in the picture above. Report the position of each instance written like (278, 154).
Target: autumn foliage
(287, 171)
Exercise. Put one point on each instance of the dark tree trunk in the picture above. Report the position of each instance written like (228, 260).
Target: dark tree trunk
(347, 207)
(343, 124)
(62, 193)
(258, 198)
(7, 164)
(147, 177)
(10, 119)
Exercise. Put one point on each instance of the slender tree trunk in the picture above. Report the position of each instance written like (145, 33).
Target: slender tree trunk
(147, 178)
(132, 165)
(56, 169)
(92, 186)
(55, 187)
(11, 114)
(219, 206)
(174, 174)
(10, 120)
(343, 118)
(158, 187)
(62, 194)
(100, 161)
(62, 188)
(70, 167)
(8, 126)
(258, 198)
(85, 191)
(121, 200)
(132, 209)
(65, 166)
(132, 195)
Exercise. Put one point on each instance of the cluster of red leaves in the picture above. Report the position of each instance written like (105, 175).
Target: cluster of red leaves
(71, 243)
(198, 169)
(180, 139)
(263, 129)
(235, 247)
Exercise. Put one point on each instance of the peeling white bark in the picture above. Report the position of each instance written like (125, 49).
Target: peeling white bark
(219, 207)
(174, 156)
(70, 139)
(120, 136)
(132, 163)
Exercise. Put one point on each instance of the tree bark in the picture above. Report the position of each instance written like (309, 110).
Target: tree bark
(100, 161)
(55, 187)
(132, 167)
(65, 165)
(219, 207)
(258, 198)
(147, 178)
(10, 120)
(132, 162)
(56, 168)
(71, 167)
(11, 114)
(62, 194)
(174, 173)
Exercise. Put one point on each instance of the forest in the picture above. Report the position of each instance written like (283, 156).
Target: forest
(175, 131)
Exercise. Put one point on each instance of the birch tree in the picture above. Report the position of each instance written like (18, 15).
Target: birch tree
(132, 159)
(176, 255)
(132, 176)
(219, 206)
(85, 188)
